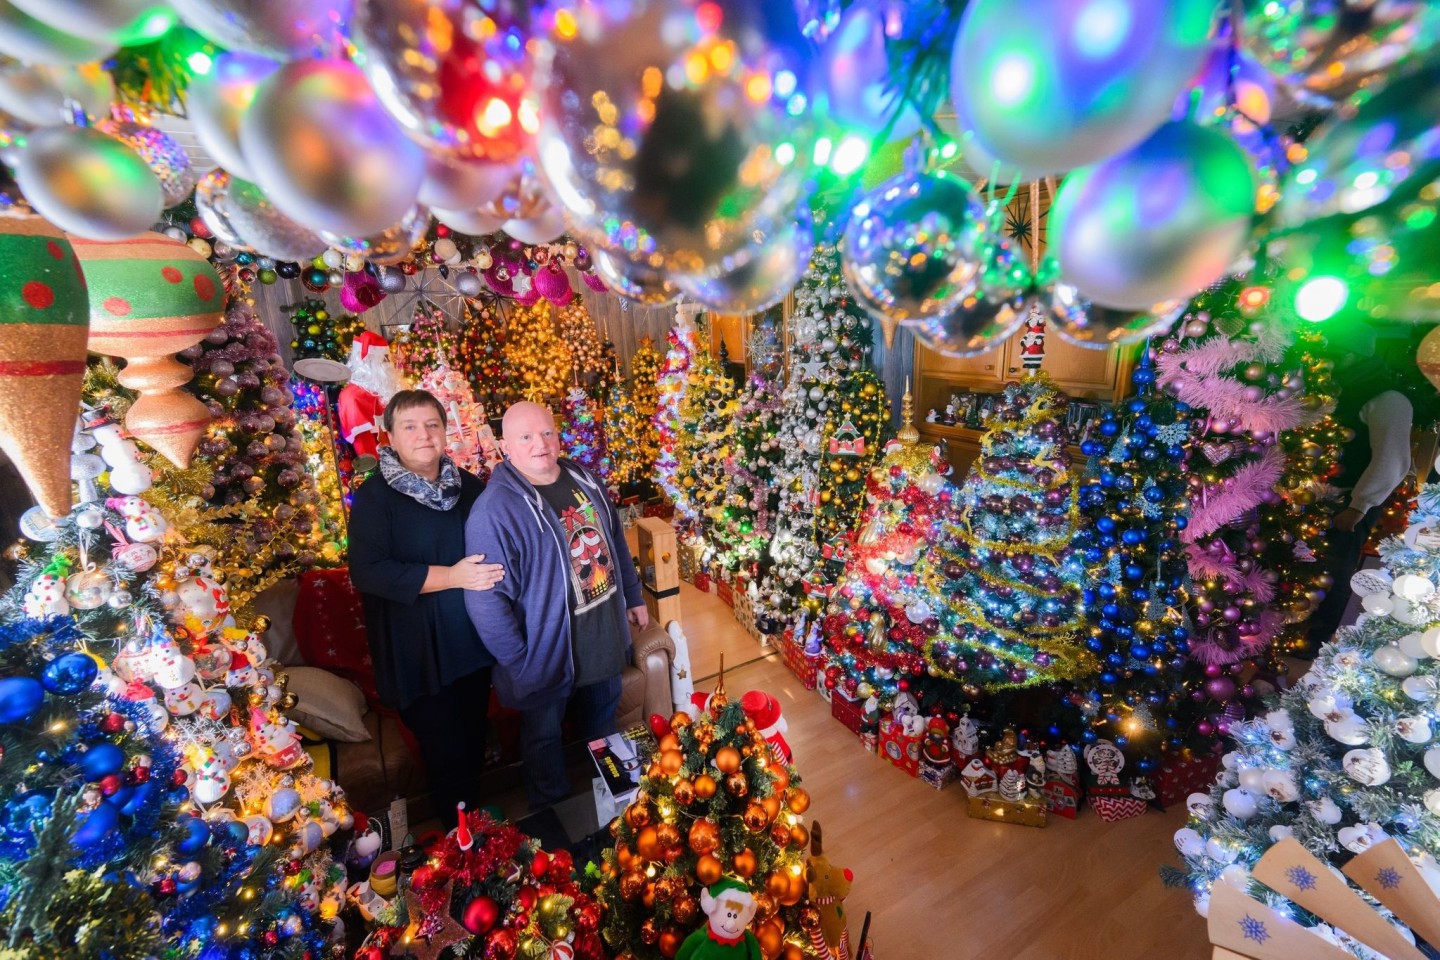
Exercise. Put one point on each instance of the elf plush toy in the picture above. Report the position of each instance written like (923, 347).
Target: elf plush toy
(730, 906)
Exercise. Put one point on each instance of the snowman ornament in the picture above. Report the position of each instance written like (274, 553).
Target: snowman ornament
(128, 473)
(46, 597)
(143, 523)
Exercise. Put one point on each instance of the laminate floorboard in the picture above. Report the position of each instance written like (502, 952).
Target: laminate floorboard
(938, 883)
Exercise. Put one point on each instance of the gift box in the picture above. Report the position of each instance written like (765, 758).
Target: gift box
(848, 710)
(725, 592)
(938, 775)
(1178, 778)
(663, 509)
(1062, 799)
(1114, 804)
(900, 748)
(802, 666)
(1027, 811)
(702, 581)
(870, 740)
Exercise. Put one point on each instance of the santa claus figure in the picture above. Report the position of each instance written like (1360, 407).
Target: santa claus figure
(1032, 343)
(373, 381)
(764, 711)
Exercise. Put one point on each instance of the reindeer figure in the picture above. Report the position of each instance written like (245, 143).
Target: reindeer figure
(829, 886)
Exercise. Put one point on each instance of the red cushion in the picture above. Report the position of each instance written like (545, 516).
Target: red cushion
(330, 629)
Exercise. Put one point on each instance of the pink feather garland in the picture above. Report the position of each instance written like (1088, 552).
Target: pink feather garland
(1258, 583)
(1239, 493)
(1193, 375)
(1266, 626)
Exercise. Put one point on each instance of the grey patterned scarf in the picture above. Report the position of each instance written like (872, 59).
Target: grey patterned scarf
(439, 495)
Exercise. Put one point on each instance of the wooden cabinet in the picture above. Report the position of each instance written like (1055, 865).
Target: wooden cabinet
(1083, 373)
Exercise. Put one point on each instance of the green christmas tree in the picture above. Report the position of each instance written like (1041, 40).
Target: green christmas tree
(1012, 556)
(428, 342)
(480, 355)
(705, 446)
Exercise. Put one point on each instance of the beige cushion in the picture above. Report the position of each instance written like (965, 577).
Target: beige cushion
(329, 705)
(277, 602)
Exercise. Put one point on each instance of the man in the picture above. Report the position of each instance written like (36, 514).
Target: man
(556, 623)
(1373, 464)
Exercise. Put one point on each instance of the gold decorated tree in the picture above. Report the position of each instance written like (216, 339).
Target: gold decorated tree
(539, 361)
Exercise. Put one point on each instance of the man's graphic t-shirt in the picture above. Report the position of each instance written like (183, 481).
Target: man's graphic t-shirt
(600, 636)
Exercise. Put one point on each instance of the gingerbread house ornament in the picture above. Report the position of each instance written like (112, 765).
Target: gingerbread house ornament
(847, 441)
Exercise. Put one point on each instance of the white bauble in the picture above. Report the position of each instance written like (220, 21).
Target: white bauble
(1280, 786)
(1393, 661)
(1253, 779)
(1348, 729)
(1432, 762)
(1413, 645)
(1199, 805)
(1281, 832)
(1432, 801)
(1368, 766)
(1219, 852)
(1420, 689)
(1189, 842)
(1325, 810)
(1412, 587)
(1237, 876)
(1367, 582)
(1414, 729)
(1240, 803)
(1379, 604)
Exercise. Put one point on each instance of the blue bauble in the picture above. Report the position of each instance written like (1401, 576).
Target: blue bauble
(20, 697)
(139, 798)
(1125, 482)
(1144, 423)
(1088, 736)
(69, 674)
(1091, 448)
(194, 834)
(1143, 377)
(1140, 652)
(1181, 523)
(1110, 609)
(1094, 555)
(1154, 494)
(1133, 572)
(1106, 524)
(23, 815)
(1121, 741)
(237, 831)
(1109, 428)
(1133, 537)
(1148, 454)
(1107, 591)
(101, 760)
(1094, 643)
(96, 825)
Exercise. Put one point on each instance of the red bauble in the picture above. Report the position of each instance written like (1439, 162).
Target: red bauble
(110, 784)
(480, 915)
(526, 896)
(166, 886)
(270, 938)
(113, 723)
(587, 919)
(540, 864)
(659, 725)
(501, 945)
(562, 866)
(177, 778)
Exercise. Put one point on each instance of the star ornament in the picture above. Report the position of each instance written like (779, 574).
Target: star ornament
(428, 934)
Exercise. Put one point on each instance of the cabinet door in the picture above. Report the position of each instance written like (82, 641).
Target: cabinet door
(988, 368)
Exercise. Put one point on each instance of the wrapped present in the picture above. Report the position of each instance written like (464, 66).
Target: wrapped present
(661, 508)
(1063, 791)
(1028, 811)
(1114, 805)
(900, 748)
(870, 740)
(938, 775)
(848, 710)
(1062, 799)
(1178, 778)
(802, 666)
(702, 581)
(978, 778)
(726, 592)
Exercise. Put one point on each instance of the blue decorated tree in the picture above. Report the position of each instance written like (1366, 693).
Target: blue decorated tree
(583, 436)
(1135, 502)
(154, 799)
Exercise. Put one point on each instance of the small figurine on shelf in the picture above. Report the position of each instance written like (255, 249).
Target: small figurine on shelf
(1111, 799)
(1005, 754)
(932, 416)
(947, 419)
(977, 778)
(1012, 786)
(936, 747)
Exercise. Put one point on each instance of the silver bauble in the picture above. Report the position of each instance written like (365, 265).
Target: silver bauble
(388, 246)
(88, 183)
(216, 102)
(241, 215)
(329, 155)
(30, 41)
(661, 149)
(282, 29)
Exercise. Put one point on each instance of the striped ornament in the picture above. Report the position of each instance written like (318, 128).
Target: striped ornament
(43, 318)
(150, 297)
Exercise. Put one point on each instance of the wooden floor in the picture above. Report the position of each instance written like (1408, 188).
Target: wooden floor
(938, 883)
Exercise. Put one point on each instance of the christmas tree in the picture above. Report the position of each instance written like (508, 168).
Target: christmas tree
(1135, 506)
(626, 430)
(1345, 758)
(645, 366)
(133, 703)
(330, 472)
(669, 421)
(248, 475)
(1012, 555)
(583, 437)
(538, 360)
(712, 803)
(705, 446)
(1293, 526)
(480, 355)
(876, 624)
(608, 370)
(513, 897)
(577, 331)
(425, 343)
(741, 532)
(1235, 380)
(831, 417)
(318, 334)
(468, 439)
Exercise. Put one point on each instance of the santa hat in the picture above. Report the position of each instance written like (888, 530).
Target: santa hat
(762, 708)
(726, 883)
(463, 838)
(368, 341)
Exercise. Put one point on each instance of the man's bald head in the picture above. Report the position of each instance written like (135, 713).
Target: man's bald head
(529, 439)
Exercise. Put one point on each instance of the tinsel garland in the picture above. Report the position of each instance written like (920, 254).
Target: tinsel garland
(1192, 374)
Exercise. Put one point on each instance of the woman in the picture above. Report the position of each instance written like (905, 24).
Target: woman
(407, 560)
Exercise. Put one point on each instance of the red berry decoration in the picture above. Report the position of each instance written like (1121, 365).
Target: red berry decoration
(270, 938)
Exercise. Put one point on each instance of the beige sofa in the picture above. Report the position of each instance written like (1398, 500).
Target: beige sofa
(365, 750)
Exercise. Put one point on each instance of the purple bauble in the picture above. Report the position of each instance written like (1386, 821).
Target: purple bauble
(1220, 688)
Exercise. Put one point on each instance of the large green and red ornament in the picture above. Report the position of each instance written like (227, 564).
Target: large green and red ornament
(43, 319)
(151, 297)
